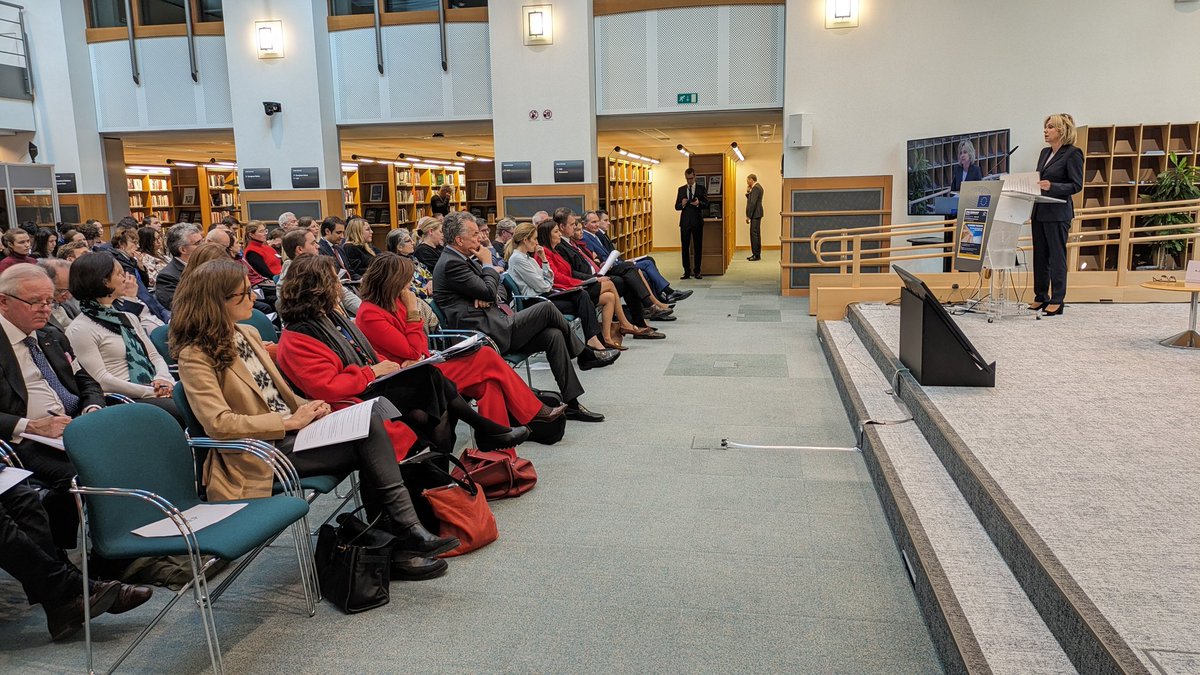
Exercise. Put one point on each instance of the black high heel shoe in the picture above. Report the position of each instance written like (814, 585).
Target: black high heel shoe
(1036, 307)
(1055, 312)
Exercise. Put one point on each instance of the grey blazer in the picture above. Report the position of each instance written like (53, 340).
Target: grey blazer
(457, 283)
(532, 277)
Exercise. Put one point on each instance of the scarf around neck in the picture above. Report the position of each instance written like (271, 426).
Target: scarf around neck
(141, 369)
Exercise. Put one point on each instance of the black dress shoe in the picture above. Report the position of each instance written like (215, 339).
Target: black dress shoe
(66, 617)
(1054, 312)
(511, 439)
(592, 358)
(416, 540)
(699, 276)
(409, 567)
(129, 597)
(548, 414)
(581, 414)
(686, 275)
(681, 295)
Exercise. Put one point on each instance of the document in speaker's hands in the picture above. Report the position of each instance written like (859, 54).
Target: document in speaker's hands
(342, 426)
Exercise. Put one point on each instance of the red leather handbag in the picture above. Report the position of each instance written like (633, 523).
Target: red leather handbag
(501, 473)
(463, 511)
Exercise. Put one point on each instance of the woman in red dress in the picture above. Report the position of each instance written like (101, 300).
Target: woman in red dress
(389, 319)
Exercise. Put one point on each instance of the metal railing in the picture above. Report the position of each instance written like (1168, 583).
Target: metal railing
(14, 41)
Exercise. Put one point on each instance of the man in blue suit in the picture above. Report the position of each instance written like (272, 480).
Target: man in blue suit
(595, 236)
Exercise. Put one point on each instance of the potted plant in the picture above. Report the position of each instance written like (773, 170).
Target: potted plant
(920, 184)
(1177, 183)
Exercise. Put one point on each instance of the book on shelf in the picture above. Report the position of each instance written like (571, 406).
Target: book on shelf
(348, 196)
(158, 184)
(136, 201)
(164, 216)
(216, 180)
(134, 184)
(160, 200)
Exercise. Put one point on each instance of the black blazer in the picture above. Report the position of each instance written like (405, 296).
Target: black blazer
(1065, 173)
(166, 281)
(754, 199)
(973, 173)
(428, 255)
(13, 394)
(336, 252)
(357, 259)
(689, 214)
(457, 284)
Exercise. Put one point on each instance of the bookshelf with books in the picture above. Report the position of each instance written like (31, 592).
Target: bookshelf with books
(396, 193)
(218, 193)
(350, 196)
(479, 181)
(185, 184)
(1121, 164)
(626, 194)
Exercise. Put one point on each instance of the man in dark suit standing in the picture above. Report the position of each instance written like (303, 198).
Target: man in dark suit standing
(466, 286)
(691, 201)
(754, 214)
(181, 240)
(42, 388)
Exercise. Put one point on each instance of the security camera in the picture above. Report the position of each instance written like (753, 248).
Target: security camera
(271, 107)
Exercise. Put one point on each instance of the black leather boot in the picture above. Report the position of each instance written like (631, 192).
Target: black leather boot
(411, 536)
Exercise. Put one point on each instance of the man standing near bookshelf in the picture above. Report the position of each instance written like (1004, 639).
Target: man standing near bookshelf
(691, 201)
(754, 214)
(439, 203)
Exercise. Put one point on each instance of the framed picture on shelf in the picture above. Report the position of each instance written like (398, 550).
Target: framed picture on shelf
(479, 191)
(376, 192)
(185, 217)
(188, 198)
(371, 215)
(714, 185)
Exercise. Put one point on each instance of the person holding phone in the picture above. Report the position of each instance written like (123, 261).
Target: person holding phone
(690, 202)
(1061, 167)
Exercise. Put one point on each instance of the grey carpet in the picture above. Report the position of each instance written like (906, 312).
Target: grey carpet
(643, 548)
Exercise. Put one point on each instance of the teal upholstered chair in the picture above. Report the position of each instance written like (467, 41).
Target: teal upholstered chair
(266, 329)
(126, 485)
(158, 337)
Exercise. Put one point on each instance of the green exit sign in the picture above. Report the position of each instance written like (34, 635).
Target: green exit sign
(681, 99)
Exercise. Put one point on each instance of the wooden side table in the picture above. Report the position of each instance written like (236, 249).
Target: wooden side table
(1188, 339)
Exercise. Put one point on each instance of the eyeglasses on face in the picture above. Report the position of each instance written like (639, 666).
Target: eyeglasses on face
(35, 304)
(249, 292)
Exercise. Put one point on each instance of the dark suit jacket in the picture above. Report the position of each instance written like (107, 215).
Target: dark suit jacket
(691, 215)
(580, 269)
(166, 281)
(973, 173)
(13, 393)
(357, 259)
(754, 199)
(338, 254)
(457, 284)
(601, 247)
(1065, 173)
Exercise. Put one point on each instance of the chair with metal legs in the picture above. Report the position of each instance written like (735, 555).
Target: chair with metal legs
(126, 485)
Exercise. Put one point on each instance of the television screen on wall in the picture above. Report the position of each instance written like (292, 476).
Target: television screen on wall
(937, 167)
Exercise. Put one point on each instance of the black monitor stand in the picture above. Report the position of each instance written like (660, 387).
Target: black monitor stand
(932, 352)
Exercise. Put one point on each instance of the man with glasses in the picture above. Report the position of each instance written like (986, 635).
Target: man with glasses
(66, 308)
(43, 389)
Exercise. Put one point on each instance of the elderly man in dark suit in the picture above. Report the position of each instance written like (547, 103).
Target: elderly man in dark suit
(690, 201)
(468, 290)
(181, 240)
(754, 215)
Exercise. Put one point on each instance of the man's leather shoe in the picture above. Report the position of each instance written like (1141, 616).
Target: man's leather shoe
(753, 258)
(699, 276)
(676, 296)
(65, 618)
(581, 414)
(129, 597)
(409, 567)
(548, 414)
(514, 437)
(649, 335)
(593, 358)
(416, 540)
(686, 275)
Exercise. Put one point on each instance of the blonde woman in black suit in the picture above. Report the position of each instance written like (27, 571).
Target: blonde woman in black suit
(1061, 168)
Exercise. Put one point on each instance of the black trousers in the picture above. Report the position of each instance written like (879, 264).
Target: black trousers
(1050, 261)
(581, 305)
(755, 236)
(692, 236)
(28, 551)
(543, 328)
(632, 291)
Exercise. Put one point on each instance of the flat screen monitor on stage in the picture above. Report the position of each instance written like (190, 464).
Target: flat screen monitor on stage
(932, 345)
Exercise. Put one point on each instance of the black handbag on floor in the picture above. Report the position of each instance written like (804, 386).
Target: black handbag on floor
(354, 562)
(548, 433)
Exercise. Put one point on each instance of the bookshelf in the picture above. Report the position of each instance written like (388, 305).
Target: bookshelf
(991, 155)
(1120, 166)
(184, 194)
(625, 193)
(397, 194)
(218, 193)
(350, 193)
(718, 173)
(478, 173)
(185, 183)
(150, 195)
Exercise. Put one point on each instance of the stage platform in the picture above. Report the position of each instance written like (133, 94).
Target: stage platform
(1081, 467)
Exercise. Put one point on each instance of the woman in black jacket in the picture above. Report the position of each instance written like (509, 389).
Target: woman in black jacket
(1061, 170)
(358, 249)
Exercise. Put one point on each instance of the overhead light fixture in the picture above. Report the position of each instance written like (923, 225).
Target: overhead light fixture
(189, 164)
(268, 39)
(737, 151)
(473, 158)
(147, 170)
(537, 25)
(683, 151)
(349, 167)
(841, 13)
(634, 156)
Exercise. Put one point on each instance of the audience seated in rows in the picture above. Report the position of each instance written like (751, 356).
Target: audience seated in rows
(124, 248)
(258, 253)
(298, 242)
(152, 253)
(595, 237)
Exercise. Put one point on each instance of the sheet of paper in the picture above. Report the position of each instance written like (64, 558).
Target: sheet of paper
(198, 517)
(461, 346)
(10, 477)
(46, 440)
(1026, 183)
(608, 263)
(640, 257)
(347, 424)
(427, 361)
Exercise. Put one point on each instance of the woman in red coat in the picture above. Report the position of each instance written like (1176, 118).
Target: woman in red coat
(324, 355)
(388, 317)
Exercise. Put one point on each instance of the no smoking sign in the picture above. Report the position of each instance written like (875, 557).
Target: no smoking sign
(546, 114)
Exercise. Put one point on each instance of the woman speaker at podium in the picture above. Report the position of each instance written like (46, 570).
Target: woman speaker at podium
(1061, 169)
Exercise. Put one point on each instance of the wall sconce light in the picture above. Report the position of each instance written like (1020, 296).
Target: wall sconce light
(841, 13)
(268, 39)
(473, 158)
(683, 151)
(538, 28)
(635, 156)
(738, 152)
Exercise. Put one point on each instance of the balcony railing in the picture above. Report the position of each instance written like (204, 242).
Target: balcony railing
(15, 81)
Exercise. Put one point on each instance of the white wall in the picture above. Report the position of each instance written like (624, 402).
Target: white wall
(558, 77)
(931, 67)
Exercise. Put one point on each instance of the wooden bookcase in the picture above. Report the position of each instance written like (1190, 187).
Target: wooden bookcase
(991, 155)
(179, 194)
(150, 195)
(1121, 165)
(481, 172)
(219, 194)
(396, 195)
(626, 194)
(350, 193)
(720, 223)
(189, 207)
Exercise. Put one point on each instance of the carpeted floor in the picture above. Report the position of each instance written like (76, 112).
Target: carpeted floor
(644, 548)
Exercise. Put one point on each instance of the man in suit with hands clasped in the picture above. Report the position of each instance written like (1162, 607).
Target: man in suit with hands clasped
(690, 201)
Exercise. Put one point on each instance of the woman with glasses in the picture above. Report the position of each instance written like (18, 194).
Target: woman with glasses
(400, 241)
(235, 391)
(111, 345)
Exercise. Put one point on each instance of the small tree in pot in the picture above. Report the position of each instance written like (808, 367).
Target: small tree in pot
(1177, 183)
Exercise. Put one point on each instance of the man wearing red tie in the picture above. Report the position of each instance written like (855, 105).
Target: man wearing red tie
(333, 233)
(691, 201)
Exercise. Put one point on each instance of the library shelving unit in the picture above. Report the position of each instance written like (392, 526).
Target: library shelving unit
(350, 193)
(376, 198)
(396, 193)
(625, 193)
(219, 193)
(717, 171)
(185, 185)
(478, 173)
(150, 194)
(941, 152)
(1121, 163)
